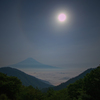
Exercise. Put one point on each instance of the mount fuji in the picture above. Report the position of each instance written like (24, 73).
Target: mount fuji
(31, 63)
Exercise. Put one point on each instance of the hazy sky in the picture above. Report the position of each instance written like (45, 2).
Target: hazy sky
(29, 28)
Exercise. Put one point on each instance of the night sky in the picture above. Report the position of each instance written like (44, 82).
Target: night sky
(30, 28)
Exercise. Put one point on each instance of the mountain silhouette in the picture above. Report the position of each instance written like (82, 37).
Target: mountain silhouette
(31, 63)
(72, 80)
(25, 78)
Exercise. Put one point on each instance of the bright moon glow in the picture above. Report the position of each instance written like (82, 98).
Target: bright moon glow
(62, 17)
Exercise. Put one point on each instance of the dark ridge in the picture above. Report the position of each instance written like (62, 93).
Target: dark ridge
(25, 78)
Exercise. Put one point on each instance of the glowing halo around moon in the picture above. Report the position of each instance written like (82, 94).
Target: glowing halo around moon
(62, 17)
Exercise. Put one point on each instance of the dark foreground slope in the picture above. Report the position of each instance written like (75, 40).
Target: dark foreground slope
(87, 88)
(72, 80)
(25, 78)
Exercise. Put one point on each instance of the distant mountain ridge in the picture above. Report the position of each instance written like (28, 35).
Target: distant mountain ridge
(72, 80)
(31, 63)
(25, 78)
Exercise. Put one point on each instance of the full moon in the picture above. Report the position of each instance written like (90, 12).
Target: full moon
(62, 17)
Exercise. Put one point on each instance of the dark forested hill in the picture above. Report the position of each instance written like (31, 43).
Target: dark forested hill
(25, 78)
(72, 80)
(87, 88)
